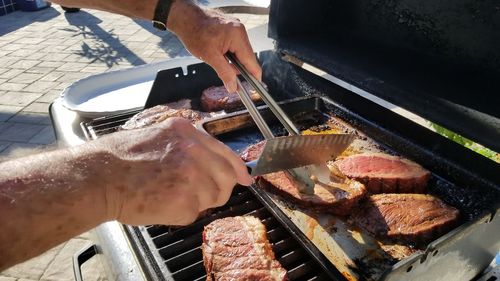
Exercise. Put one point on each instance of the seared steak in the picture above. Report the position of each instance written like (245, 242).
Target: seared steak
(253, 151)
(236, 248)
(338, 197)
(160, 113)
(413, 218)
(383, 173)
(217, 98)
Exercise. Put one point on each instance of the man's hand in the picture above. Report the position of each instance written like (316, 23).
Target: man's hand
(169, 173)
(163, 174)
(208, 35)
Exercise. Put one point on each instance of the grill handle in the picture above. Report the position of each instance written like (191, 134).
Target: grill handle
(80, 257)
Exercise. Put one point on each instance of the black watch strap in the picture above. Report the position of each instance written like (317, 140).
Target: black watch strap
(161, 14)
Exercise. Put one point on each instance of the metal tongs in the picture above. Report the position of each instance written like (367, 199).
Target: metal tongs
(302, 174)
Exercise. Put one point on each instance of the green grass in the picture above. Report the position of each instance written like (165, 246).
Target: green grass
(467, 143)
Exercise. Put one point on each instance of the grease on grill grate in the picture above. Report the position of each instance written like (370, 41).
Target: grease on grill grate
(180, 247)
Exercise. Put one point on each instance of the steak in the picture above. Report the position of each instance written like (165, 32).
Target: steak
(236, 248)
(383, 173)
(162, 112)
(253, 151)
(217, 98)
(338, 197)
(413, 218)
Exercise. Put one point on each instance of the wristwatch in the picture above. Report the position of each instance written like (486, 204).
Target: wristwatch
(161, 14)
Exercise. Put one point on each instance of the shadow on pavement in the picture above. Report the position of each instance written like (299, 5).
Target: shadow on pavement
(19, 19)
(169, 42)
(106, 46)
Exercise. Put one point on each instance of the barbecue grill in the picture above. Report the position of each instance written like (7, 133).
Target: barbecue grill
(412, 54)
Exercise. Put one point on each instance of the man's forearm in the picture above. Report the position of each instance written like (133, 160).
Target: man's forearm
(48, 198)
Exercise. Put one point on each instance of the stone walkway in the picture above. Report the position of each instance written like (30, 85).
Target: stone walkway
(43, 52)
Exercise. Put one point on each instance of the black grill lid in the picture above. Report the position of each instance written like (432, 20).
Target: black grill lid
(439, 59)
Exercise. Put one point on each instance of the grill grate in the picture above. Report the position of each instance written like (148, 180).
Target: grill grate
(179, 248)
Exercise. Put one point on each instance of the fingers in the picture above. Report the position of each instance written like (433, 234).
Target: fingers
(225, 72)
(243, 51)
(238, 166)
(216, 179)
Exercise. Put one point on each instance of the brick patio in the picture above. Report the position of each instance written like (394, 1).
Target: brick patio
(43, 52)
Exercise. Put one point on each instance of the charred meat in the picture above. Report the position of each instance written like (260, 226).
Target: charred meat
(162, 112)
(383, 173)
(338, 197)
(412, 218)
(253, 151)
(236, 248)
(217, 98)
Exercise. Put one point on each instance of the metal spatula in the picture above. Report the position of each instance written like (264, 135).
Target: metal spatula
(302, 174)
(290, 152)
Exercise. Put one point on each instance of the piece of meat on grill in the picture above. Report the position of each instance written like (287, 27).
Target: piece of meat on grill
(162, 112)
(236, 248)
(338, 197)
(253, 151)
(411, 218)
(217, 98)
(383, 173)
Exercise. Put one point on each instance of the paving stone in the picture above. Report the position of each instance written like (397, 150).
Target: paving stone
(71, 66)
(52, 76)
(31, 118)
(5, 278)
(72, 77)
(50, 96)
(95, 69)
(7, 111)
(31, 41)
(25, 64)
(11, 73)
(45, 136)
(19, 132)
(40, 70)
(62, 268)
(12, 47)
(52, 64)
(12, 86)
(40, 86)
(36, 56)
(34, 268)
(37, 107)
(18, 98)
(23, 53)
(54, 57)
(25, 78)
(62, 86)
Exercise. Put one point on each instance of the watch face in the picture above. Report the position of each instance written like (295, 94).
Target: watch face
(160, 25)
